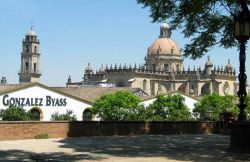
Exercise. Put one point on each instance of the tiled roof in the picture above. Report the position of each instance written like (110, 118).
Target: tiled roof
(8, 87)
(170, 93)
(16, 87)
(92, 93)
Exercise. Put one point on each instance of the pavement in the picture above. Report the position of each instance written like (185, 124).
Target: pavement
(141, 148)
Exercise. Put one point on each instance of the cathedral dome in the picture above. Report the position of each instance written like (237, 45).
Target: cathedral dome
(165, 46)
(31, 33)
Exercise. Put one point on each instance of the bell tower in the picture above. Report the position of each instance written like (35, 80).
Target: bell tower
(30, 58)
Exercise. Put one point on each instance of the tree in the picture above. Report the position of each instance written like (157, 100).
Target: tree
(121, 105)
(67, 116)
(207, 23)
(247, 110)
(14, 113)
(210, 106)
(170, 107)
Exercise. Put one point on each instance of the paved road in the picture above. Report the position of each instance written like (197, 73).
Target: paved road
(156, 148)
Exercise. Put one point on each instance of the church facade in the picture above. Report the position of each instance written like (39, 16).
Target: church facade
(163, 71)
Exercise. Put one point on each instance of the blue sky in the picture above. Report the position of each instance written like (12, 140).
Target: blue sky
(73, 33)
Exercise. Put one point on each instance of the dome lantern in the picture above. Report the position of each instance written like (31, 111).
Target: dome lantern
(164, 30)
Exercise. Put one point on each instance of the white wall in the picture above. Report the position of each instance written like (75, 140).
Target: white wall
(38, 92)
(188, 101)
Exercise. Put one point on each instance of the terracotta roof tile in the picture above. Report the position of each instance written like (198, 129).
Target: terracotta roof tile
(92, 93)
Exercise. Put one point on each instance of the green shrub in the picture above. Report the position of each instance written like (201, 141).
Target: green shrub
(210, 107)
(67, 116)
(169, 108)
(14, 113)
(42, 136)
(118, 106)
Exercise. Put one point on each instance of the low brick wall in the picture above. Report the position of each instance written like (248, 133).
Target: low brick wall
(63, 129)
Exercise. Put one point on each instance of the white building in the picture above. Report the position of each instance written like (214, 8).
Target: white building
(44, 101)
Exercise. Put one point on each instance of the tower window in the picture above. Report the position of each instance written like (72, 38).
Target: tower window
(27, 48)
(27, 66)
(166, 67)
(35, 49)
(144, 85)
(34, 67)
(177, 67)
(153, 66)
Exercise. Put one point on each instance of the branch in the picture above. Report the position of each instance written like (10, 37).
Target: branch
(244, 5)
(226, 7)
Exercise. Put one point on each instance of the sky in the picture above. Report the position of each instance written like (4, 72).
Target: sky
(75, 33)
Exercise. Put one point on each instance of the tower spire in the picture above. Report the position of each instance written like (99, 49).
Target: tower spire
(31, 25)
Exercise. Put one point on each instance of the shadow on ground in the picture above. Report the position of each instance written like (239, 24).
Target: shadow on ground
(19, 155)
(174, 147)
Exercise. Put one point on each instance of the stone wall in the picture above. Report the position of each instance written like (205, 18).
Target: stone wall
(63, 129)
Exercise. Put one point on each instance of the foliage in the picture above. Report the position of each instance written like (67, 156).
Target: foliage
(121, 105)
(170, 107)
(42, 136)
(210, 107)
(247, 110)
(14, 113)
(67, 116)
(1, 114)
(207, 23)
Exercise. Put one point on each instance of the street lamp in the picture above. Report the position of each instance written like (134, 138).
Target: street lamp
(239, 132)
(242, 34)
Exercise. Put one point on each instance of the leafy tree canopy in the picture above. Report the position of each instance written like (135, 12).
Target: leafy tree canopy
(67, 116)
(210, 107)
(170, 107)
(121, 105)
(14, 113)
(207, 23)
(247, 110)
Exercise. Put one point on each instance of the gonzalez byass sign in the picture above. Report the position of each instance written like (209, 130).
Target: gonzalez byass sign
(22, 101)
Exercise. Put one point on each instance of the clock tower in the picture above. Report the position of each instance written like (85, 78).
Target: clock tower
(30, 58)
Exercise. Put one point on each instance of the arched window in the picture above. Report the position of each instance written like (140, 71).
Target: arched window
(205, 89)
(144, 85)
(87, 115)
(36, 114)
(35, 50)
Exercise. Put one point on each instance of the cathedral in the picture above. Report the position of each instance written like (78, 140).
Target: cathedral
(162, 72)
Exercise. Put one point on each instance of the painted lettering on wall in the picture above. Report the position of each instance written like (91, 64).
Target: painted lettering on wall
(22, 101)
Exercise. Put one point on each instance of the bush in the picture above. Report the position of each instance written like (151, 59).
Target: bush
(170, 108)
(42, 136)
(210, 107)
(118, 106)
(1, 114)
(14, 113)
(67, 116)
